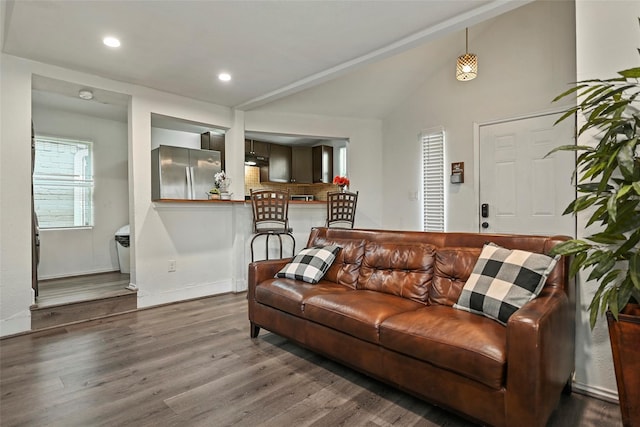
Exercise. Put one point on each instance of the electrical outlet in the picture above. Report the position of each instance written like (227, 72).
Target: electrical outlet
(172, 265)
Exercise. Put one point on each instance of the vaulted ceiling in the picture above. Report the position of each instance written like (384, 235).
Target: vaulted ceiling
(272, 49)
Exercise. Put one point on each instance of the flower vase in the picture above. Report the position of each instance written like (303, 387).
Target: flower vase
(343, 188)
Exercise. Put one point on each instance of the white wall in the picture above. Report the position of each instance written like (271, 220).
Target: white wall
(525, 56)
(608, 36)
(15, 197)
(199, 240)
(73, 252)
(207, 242)
(174, 138)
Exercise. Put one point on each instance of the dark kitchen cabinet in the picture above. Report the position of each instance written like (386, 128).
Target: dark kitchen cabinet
(322, 157)
(213, 141)
(258, 153)
(260, 149)
(301, 165)
(279, 163)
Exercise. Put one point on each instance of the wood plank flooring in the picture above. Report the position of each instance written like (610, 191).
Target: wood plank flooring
(73, 299)
(67, 290)
(193, 364)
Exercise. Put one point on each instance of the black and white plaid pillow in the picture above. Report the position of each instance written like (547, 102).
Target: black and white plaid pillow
(310, 264)
(504, 280)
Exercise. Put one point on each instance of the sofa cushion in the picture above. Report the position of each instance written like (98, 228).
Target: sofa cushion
(358, 313)
(346, 268)
(289, 295)
(405, 270)
(504, 280)
(452, 269)
(310, 264)
(472, 346)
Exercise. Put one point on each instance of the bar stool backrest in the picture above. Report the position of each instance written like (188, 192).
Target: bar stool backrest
(341, 209)
(270, 210)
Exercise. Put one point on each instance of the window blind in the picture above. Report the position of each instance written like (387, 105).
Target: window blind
(63, 183)
(433, 180)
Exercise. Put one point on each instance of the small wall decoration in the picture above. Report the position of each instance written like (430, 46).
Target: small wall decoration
(457, 173)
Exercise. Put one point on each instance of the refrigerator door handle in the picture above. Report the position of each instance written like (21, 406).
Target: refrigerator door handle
(188, 171)
(193, 182)
(192, 172)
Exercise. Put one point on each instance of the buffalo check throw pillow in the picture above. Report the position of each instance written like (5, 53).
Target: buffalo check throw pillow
(310, 264)
(504, 280)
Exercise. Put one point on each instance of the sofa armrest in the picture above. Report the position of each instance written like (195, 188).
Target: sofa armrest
(540, 357)
(260, 271)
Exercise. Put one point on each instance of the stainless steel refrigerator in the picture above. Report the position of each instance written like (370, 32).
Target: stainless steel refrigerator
(183, 173)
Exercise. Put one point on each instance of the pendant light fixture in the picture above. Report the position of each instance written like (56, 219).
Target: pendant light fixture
(467, 65)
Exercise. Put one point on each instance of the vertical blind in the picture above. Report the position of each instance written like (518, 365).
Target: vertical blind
(433, 180)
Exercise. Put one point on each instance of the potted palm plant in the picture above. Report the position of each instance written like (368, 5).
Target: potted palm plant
(608, 186)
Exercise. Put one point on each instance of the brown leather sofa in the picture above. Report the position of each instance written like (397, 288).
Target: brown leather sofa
(385, 308)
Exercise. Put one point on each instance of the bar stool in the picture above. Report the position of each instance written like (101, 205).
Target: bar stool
(341, 209)
(271, 217)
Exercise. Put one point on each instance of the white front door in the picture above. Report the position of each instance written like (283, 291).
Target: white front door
(521, 191)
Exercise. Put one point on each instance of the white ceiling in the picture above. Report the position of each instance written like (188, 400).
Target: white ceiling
(272, 48)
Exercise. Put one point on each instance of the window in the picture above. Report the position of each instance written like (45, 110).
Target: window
(63, 183)
(342, 161)
(433, 179)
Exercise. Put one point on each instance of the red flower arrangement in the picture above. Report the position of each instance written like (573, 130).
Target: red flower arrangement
(341, 180)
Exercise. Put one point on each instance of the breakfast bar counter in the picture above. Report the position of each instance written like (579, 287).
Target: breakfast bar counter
(227, 228)
(248, 202)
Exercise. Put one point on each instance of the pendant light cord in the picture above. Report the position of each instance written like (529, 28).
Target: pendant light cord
(467, 40)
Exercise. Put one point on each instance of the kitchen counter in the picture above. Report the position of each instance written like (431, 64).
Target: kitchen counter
(248, 202)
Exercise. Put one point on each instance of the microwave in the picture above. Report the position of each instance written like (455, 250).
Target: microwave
(303, 197)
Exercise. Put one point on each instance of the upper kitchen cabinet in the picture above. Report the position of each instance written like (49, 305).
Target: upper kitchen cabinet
(301, 165)
(259, 148)
(213, 141)
(322, 158)
(279, 163)
(256, 154)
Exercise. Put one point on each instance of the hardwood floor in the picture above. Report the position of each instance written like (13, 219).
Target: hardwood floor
(193, 364)
(82, 288)
(73, 299)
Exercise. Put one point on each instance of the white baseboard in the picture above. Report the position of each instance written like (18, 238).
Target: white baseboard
(150, 299)
(597, 392)
(240, 285)
(19, 322)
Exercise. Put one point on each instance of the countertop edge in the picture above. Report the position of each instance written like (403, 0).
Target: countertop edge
(248, 202)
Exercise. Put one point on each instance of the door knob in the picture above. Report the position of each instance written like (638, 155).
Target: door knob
(485, 225)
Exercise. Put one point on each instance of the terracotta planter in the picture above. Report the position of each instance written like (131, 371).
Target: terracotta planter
(625, 346)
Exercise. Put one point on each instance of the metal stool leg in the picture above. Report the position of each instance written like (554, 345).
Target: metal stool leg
(293, 244)
(266, 245)
(280, 239)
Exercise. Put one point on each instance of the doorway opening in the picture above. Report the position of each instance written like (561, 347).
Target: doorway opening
(80, 196)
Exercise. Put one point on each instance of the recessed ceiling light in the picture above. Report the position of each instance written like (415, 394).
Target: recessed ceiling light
(111, 41)
(85, 94)
(225, 77)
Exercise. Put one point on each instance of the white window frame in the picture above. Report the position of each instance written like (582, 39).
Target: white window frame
(342, 161)
(83, 217)
(432, 143)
